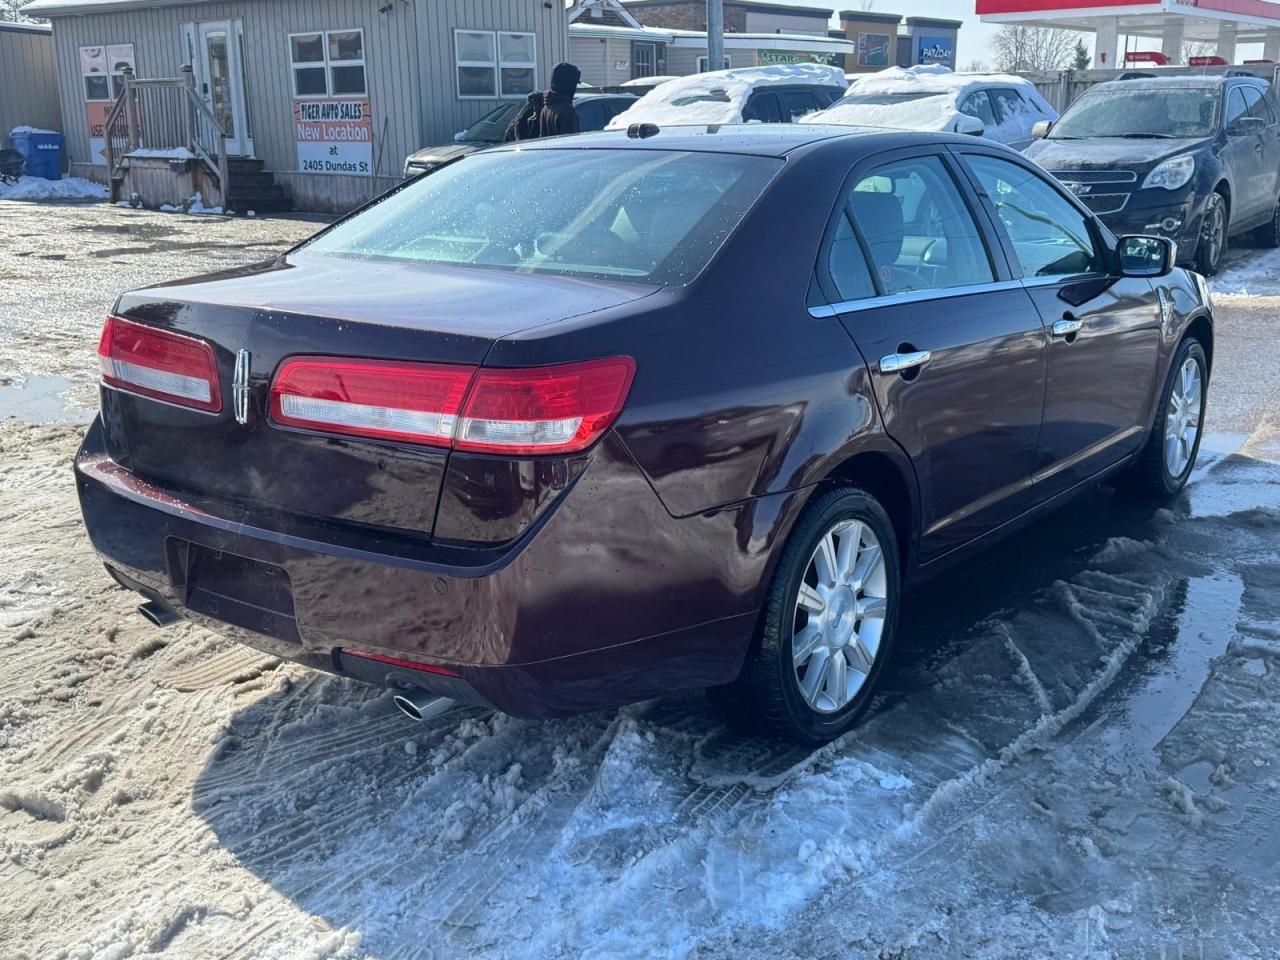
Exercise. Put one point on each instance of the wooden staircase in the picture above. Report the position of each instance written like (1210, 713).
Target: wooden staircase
(250, 187)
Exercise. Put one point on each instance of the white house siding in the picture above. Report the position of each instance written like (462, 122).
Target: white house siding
(28, 80)
(156, 33)
(443, 112)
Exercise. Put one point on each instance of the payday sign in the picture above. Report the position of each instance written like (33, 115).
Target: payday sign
(334, 136)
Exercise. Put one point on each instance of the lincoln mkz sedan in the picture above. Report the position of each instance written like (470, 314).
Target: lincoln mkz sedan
(692, 414)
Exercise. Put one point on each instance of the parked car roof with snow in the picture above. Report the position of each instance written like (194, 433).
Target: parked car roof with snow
(934, 98)
(763, 94)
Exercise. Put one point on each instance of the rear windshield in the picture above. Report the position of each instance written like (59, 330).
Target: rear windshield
(1172, 112)
(646, 215)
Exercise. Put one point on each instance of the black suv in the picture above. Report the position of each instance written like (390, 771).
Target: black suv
(1195, 159)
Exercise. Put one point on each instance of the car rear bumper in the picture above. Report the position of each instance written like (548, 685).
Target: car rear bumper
(607, 599)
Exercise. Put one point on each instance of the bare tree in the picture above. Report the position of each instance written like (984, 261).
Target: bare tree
(1197, 48)
(10, 10)
(1033, 48)
(866, 5)
(976, 66)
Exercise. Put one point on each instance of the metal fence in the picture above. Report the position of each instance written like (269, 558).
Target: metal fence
(1062, 87)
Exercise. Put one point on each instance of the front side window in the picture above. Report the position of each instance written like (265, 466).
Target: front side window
(797, 103)
(918, 230)
(328, 63)
(1236, 107)
(1257, 106)
(1050, 237)
(641, 215)
(978, 105)
(493, 64)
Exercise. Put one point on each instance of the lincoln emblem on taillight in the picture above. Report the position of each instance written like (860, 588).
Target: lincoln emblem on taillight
(240, 388)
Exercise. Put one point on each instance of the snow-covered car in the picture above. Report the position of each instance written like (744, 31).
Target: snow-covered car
(777, 94)
(998, 106)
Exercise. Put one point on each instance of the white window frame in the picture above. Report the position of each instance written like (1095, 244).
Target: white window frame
(704, 62)
(327, 64)
(111, 74)
(495, 66)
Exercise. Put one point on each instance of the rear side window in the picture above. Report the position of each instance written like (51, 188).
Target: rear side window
(651, 215)
(798, 103)
(1012, 106)
(920, 233)
(847, 265)
(1050, 237)
(591, 115)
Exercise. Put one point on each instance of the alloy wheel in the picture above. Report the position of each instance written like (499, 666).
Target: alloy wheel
(1215, 235)
(1182, 421)
(840, 611)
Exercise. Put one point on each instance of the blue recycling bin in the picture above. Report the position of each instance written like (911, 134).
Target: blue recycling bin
(42, 150)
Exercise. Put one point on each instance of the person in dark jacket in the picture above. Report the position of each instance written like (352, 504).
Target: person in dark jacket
(525, 126)
(558, 113)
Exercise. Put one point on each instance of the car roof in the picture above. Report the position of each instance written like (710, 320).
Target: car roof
(580, 97)
(756, 139)
(1200, 81)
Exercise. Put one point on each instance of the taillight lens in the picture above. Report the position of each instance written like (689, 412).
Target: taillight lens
(413, 402)
(558, 409)
(158, 364)
(532, 410)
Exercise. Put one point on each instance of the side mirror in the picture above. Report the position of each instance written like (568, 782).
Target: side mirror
(1041, 129)
(1244, 126)
(970, 125)
(1146, 256)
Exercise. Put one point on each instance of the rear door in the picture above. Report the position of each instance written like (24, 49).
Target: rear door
(955, 348)
(1243, 153)
(1258, 106)
(1104, 329)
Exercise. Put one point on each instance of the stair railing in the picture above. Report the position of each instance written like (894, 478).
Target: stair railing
(164, 113)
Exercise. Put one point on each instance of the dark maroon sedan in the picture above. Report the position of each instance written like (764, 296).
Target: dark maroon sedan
(567, 425)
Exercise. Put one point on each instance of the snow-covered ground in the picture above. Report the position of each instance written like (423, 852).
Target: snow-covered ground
(1077, 753)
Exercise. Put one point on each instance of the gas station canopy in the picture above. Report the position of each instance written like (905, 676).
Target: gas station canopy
(1225, 23)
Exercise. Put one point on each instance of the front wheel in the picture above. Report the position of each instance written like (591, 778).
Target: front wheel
(827, 626)
(1213, 236)
(1166, 461)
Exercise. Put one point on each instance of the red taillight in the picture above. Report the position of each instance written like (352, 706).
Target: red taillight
(531, 410)
(158, 364)
(413, 402)
(559, 409)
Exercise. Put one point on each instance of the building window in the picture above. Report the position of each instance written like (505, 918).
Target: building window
(102, 71)
(703, 64)
(328, 63)
(495, 64)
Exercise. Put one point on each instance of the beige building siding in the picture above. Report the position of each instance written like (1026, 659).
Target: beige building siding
(409, 69)
(682, 61)
(28, 81)
(444, 113)
(785, 23)
(598, 57)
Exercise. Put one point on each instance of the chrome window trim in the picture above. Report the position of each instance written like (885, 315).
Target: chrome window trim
(914, 296)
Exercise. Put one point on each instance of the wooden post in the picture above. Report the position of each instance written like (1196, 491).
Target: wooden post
(188, 107)
(131, 109)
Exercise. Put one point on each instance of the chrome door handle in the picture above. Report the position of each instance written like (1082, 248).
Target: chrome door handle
(1065, 327)
(898, 362)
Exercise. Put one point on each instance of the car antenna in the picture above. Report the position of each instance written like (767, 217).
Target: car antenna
(642, 131)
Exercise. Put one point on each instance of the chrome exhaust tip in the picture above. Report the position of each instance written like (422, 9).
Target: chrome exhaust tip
(420, 705)
(159, 614)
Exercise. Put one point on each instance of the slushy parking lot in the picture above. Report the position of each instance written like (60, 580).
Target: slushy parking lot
(1076, 753)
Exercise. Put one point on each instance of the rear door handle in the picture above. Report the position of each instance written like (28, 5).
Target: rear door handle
(1067, 326)
(898, 362)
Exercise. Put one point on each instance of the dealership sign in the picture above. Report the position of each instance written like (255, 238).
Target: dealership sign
(334, 136)
(768, 58)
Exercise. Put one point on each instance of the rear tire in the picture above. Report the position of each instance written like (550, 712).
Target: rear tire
(1167, 460)
(1268, 235)
(1213, 235)
(816, 657)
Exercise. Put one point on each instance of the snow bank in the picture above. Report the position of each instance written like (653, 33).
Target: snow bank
(37, 188)
(1254, 276)
(719, 96)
